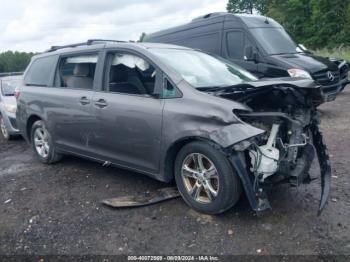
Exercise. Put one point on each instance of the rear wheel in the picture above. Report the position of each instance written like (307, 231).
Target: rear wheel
(5, 133)
(206, 179)
(42, 143)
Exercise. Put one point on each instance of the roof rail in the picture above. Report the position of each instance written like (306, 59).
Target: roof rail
(57, 47)
(88, 42)
(91, 41)
(11, 74)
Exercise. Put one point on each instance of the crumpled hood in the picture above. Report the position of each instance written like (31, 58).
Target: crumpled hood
(308, 62)
(282, 81)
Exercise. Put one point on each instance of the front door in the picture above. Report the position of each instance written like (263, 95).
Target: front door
(128, 116)
(234, 44)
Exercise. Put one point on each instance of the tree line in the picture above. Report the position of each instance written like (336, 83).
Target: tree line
(314, 23)
(14, 61)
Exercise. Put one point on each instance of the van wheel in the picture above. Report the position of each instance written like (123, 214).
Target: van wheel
(5, 133)
(42, 143)
(205, 178)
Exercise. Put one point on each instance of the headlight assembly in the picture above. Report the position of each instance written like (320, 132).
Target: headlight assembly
(294, 72)
(10, 108)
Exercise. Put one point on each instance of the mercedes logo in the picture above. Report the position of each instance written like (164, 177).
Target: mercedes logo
(330, 76)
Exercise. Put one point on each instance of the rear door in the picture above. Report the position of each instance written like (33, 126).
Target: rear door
(128, 117)
(70, 111)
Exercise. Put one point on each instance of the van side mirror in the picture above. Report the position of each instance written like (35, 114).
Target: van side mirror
(250, 54)
(301, 48)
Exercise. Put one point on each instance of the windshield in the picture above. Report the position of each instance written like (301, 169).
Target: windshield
(8, 87)
(274, 40)
(202, 70)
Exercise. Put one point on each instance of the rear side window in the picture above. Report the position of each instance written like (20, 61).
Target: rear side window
(77, 71)
(40, 71)
(235, 44)
(209, 43)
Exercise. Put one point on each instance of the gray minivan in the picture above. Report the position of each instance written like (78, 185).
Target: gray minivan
(172, 112)
(258, 44)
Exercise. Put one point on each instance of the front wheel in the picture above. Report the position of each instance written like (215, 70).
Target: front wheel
(42, 143)
(205, 178)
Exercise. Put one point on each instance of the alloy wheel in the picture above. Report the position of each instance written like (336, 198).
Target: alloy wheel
(200, 178)
(41, 142)
(4, 131)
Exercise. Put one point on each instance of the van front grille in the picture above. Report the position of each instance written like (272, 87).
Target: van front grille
(325, 79)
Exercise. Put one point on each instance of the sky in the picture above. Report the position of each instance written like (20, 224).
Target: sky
(35, 25)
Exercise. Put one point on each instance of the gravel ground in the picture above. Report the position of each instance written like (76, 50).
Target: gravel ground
(56, 209)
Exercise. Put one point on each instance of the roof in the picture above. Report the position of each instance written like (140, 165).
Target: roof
(248, 20)
(252, 21)
(86, 46)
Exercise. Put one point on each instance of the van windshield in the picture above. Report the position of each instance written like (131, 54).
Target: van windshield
(275, 41)
(202, 70)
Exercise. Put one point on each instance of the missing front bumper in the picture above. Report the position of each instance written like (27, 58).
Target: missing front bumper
(257, 196)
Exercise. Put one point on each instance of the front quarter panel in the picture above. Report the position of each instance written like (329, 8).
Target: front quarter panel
(184, 118)
(203, 116)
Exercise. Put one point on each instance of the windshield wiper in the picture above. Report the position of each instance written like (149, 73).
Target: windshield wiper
(285, 53)
(222, 88)
(211, 88)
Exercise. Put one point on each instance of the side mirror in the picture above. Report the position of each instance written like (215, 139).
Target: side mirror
(250, 54)
(303, 49)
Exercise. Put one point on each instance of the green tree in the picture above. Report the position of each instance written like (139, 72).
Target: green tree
(2, 67)
(315, 23)
(294, 15)
(330, 22)
(14, 61)
(247, 6)
(344, 35)
(142, 36)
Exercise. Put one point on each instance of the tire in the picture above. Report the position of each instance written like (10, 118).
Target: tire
(4, 131)
(40, 135)
(221, 179)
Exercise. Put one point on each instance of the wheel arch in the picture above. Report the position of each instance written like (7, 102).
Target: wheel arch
(173, 150)
(31, 120)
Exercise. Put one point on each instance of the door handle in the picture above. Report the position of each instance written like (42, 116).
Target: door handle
(101, 103)
(84, 100)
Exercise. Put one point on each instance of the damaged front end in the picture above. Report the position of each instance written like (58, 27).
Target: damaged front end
(344, 69)
(284, 153)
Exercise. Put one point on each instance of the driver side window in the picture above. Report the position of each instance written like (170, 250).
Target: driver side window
(129, 74)
(236, 44)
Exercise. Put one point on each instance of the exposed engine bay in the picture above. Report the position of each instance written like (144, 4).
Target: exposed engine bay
(284, 153)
